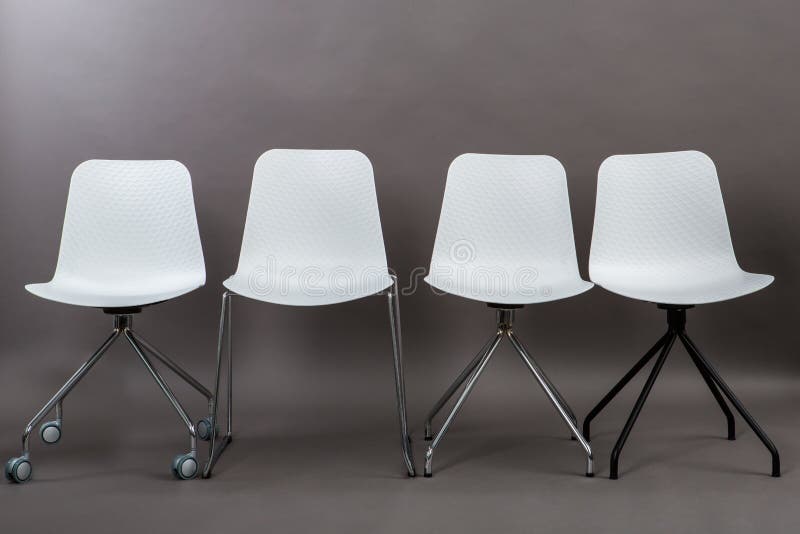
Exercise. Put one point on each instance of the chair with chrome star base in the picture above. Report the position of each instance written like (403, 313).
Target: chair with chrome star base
(129, 240)
(661, 235)
(312, 237)
(505, 238)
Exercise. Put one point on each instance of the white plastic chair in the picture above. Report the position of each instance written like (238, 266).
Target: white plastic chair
(505, 238)
(312, 237)
(129, 240)
(661, 235)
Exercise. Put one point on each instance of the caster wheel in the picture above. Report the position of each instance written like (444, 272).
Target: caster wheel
(184, 466)
(50, 432)
(18, 470)
(203, 428)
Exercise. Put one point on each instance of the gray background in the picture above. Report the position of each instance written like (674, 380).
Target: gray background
(412, 84)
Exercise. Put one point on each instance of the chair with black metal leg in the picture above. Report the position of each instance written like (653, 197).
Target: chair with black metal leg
(661, 235)
(312, 237)
(505, 238)
(129, 240)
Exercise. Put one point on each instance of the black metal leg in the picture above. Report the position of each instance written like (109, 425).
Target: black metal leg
(637, 408)
(692, 350)
(621, 384)
(776, 461)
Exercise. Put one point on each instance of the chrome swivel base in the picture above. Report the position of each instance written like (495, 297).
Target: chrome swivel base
(185, 466)
(676, 320)
(473, 371)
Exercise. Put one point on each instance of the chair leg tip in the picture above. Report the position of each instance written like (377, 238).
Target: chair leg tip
(590, 475)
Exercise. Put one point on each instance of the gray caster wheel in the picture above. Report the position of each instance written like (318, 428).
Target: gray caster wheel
(50, 432)
(203, 429)
(19, 470)
(184, 466)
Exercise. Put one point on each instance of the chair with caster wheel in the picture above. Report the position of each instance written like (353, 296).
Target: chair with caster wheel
(661, 236)
(505, 238)
(312, 237)
(129, 240)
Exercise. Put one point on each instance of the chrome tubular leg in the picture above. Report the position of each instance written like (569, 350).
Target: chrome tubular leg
(559, 398)
(776, 461)
(555, 398)
(637, 408)
(620, 385)
(165, 388)
(177, 369)
(460, 402)
(454, 387)
(64, 391)
(400, 388)
(692, 350)
(216, 446)
(230, 371)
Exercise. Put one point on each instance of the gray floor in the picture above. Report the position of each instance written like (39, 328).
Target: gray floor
(506, 466)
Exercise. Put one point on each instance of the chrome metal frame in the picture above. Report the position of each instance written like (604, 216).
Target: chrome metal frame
(676, 329)
(216, 449)
(217, 446)
(122, 327)
(473, 371)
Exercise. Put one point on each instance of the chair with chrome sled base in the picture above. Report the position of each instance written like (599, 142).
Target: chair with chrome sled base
(661, 235)
(505, 221)
(129, 240)
(310, 211)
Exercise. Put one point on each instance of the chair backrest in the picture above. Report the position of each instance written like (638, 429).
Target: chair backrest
(656, 211)
(129, 220)
(313, 209)
(506, 216)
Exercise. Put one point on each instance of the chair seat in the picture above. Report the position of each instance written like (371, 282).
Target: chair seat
(544, 290)
(116, 294)
(679, 286)
(318, 293)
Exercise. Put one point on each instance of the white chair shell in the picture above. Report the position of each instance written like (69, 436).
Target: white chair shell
(505, 231)
(130, 236)
(661, 233)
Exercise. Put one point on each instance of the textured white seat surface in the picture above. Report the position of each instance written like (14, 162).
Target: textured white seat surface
(313, 232)
(661, 233)
(130, 236)
(505, 231)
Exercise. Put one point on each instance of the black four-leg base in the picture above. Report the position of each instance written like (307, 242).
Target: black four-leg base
(676, 319)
